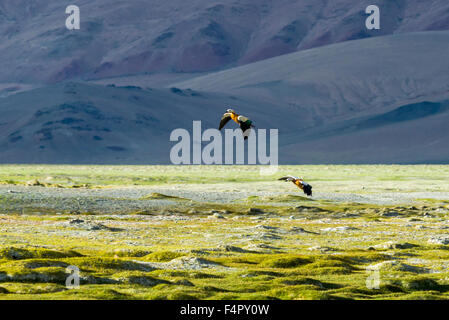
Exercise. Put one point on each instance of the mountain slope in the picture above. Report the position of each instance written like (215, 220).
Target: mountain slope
(136, 36)
(80, 123)
(367, 101)
(344, 80)
(413, 133)
(375, 100)
(423, 140)
(86, 124)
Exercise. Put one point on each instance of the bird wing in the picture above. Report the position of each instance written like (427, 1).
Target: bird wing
(242, 119)
(289, 178)
(225, 119)
(245, 125)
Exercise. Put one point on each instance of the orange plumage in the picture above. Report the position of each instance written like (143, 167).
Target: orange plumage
(300, 183)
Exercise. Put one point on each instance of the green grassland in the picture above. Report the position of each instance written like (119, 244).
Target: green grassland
(267, 241)
(98, 175)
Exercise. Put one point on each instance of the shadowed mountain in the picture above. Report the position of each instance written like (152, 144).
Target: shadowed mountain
(406, 113)
(414, 133)
(374, 100)
(419, 140)
(410, 112)
(80, 123)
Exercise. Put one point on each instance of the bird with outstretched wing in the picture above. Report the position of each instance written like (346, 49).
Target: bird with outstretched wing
(244, 123)
(300, 183)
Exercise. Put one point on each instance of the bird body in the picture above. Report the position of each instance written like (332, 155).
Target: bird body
(234, 116)
(300, 183)
(244, 123)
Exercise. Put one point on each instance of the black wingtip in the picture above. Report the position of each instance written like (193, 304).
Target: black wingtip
(308, 190)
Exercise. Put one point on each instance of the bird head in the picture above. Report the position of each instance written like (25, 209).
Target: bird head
(230, 111)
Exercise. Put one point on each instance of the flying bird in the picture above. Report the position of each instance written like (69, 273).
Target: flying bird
(244, 123)
(300, 183)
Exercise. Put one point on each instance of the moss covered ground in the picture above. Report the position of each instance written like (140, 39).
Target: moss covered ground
(225, 233)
